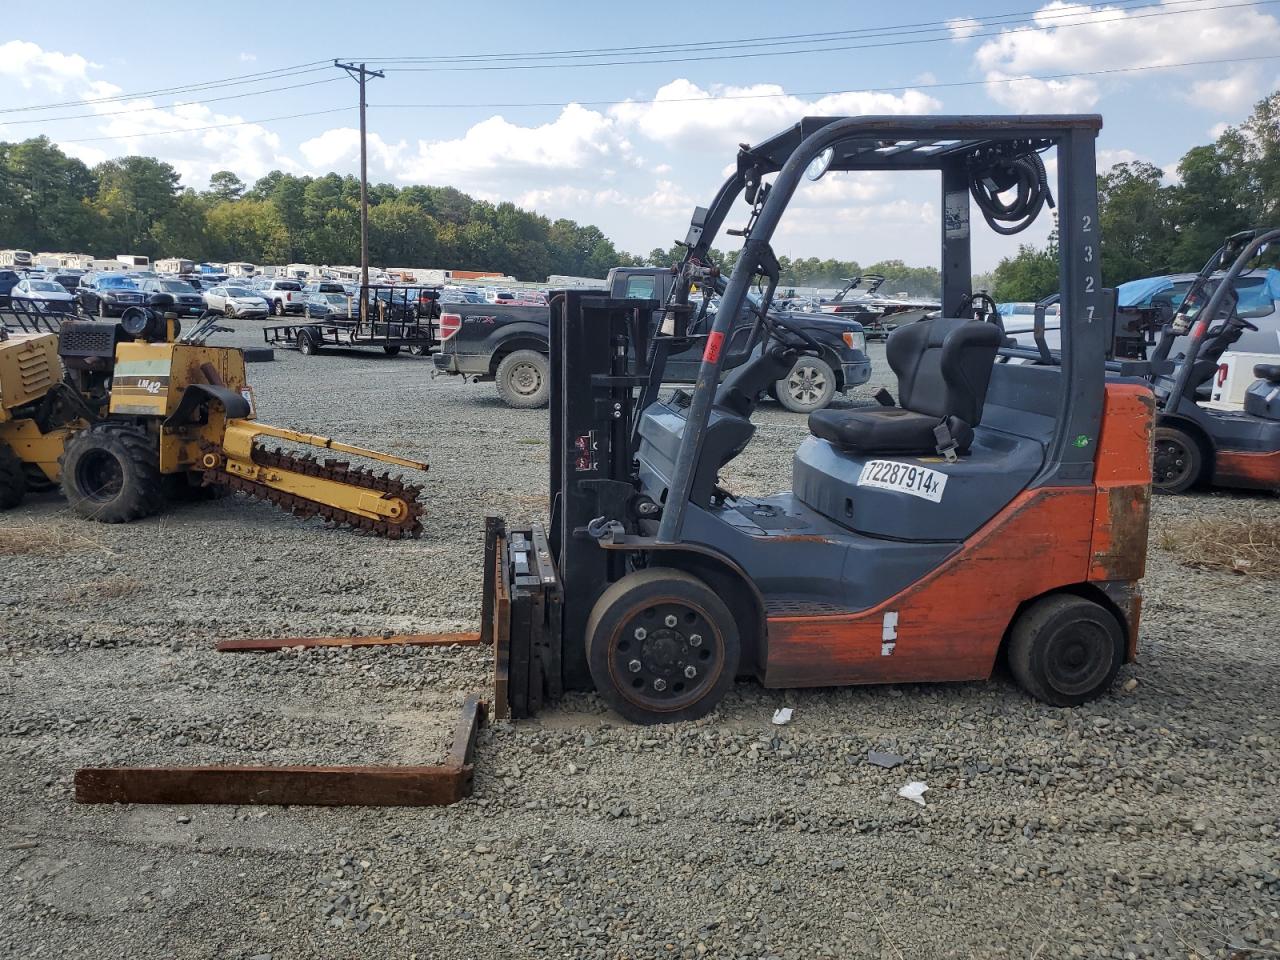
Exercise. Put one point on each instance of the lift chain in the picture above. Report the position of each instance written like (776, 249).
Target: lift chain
(409, 525)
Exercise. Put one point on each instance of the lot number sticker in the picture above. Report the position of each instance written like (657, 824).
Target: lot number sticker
(904, 478)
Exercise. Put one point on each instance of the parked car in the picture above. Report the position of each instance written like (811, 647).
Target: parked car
(509, 344)
(186, 302)
(323, 286)
(284, 296)
(459, 295)
(236, 301)
(8, 280)
(327, 306)
(45, 294)
(107, 294)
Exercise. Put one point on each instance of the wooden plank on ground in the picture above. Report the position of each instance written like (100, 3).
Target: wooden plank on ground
(395, 639)
(419, 786)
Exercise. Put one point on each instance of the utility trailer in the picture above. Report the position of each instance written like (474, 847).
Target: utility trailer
(393, 317)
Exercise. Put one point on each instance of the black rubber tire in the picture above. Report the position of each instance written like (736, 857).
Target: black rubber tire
(808, 387)
(120, 456)
(631, 602)
(308, 345)
(1065, 650)
(277, 307)
(1177, 461)
(524, 379)
(417, 350)
(229, 312)
(102, 309)
(258, 354)
(13, 479)
(391, 350)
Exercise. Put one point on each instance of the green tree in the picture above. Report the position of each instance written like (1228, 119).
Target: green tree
(1135, 223)
(135, 193)
(225, 185)
(1032, 274)
(247, 230)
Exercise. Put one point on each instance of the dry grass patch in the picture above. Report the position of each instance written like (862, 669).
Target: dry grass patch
(49, 538)
(1249, 546)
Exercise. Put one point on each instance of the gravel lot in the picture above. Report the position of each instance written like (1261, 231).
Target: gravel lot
(1145, 824)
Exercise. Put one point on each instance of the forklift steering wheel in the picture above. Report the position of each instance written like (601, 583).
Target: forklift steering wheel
(802, 335)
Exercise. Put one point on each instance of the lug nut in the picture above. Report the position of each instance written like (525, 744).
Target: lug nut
(634, 666)
(659, 684)
(691, 671)
(695, 639)
(671, 620)
(641, 633)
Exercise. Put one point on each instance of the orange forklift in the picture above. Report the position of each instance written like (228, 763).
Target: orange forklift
(992, 508)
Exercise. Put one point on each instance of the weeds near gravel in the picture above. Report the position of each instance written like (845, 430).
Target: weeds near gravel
(47, 539)
(96, 591)
(1250, 546)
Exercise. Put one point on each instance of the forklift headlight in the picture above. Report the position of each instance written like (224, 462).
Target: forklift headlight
(855, 340)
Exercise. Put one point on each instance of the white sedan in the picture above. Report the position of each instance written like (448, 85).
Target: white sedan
(236, 301)
(45, 295)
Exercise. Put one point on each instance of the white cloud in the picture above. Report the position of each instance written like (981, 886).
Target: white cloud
(1218, 129)
(1236, 92)
(32, 66)
(1109, 158)
(1078, 37)
(684, 114)
(962, 28)
(246, 57)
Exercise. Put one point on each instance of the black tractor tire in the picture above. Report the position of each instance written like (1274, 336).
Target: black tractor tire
(1065, 649)
(111, 473)
(258, 354)
(13, 479)
(391, 349)
(524, 379)
(808, 387)
(1177, 460)
(308, 343)
(662, 646)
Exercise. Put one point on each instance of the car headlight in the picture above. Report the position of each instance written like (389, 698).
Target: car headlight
(855, 340)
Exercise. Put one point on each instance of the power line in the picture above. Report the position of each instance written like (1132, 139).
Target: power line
(750, 96)
(180, 103)
(276, 74)
(212, 126)
(1126, 17)
(775, 40)
(823, 93)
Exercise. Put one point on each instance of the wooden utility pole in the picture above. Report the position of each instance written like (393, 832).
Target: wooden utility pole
(360, 73)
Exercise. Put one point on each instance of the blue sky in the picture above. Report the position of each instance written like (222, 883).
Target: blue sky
(635, 169)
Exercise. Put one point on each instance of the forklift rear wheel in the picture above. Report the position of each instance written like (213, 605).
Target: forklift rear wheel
(808, 387)
(1176, 462)
(13, 479)
(111, 474)
(1065, 649)
(662, 646)
(524, 379)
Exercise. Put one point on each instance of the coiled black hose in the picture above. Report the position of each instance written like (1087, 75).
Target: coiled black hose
(1025, 174)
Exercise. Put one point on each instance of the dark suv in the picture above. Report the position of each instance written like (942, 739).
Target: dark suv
(186, 302)
(107, 294)
(8, 280)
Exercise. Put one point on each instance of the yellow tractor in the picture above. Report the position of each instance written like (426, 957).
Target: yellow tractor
(155, 414)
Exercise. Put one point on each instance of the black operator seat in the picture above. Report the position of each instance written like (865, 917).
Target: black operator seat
(943, 367)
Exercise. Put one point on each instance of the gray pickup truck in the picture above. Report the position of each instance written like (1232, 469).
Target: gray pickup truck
(509, 344)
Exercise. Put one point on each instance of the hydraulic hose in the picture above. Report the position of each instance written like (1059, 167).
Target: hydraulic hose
(1024, 174)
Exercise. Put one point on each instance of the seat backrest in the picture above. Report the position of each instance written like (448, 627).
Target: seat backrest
(944, 365)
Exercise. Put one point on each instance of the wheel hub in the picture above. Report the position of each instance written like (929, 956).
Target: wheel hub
(1080, 659)
(663, 656)
(526, 379)
(100, 476)
(806, 383)
(1170, 462)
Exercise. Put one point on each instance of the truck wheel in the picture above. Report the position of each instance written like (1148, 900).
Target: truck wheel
(111, 473)
(808, 387)
(308, 344)
(1176, 460)
(524, 379)
(1065, 649)
(417, 350)
(391, 349)
(13, 479)
(662, 646)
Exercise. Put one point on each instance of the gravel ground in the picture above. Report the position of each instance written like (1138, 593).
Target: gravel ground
(1144, 824)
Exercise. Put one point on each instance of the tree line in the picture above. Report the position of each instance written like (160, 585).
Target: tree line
(1150, 227)
(50, 201)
